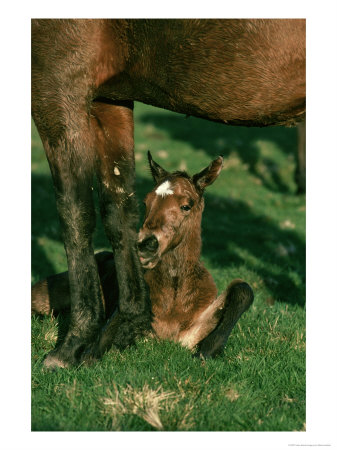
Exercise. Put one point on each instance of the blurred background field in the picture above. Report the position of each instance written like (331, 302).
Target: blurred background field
(253, 228)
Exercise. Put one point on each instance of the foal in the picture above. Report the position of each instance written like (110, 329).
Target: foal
(185, 305)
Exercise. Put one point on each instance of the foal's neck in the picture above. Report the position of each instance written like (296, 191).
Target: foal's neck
(179, 282)
(187, 252)
(182, 260)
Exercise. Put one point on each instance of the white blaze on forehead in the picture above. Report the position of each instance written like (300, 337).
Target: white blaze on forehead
(164, 189)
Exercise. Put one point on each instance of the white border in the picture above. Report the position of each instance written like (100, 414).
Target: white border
(321, 229)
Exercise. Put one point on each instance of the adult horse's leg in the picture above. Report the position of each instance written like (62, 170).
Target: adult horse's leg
(115, 172)
(70, 59)
(63, 56)
(236, 300)
(69, 151)
(107, 138)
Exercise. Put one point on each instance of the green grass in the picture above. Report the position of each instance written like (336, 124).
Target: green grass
(253, 228)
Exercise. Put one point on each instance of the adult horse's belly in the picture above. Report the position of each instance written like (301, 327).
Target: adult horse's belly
(244, 72)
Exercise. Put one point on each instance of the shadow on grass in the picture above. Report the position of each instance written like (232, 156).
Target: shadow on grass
(233, 235)
(44, 223)
(217, 139)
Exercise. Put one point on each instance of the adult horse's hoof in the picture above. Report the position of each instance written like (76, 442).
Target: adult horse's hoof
(52, 362)
(69, 354)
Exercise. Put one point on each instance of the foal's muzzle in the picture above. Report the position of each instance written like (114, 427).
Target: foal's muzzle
(147, 251)
(148, 245)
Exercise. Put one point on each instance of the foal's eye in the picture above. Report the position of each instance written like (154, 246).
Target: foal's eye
(185, 208)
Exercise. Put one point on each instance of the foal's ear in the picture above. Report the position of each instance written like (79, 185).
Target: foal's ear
(157, 171)
(207, 176)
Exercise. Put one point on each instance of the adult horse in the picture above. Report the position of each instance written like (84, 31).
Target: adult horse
(86, 75)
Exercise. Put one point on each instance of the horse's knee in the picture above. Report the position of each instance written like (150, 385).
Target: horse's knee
(240, 294)
(77, 218)
(237, 299)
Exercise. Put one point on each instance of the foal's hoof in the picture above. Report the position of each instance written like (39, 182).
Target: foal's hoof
(201, 356)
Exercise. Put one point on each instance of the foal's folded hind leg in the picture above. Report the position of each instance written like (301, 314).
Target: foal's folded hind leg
(52, 295)
(237, 299)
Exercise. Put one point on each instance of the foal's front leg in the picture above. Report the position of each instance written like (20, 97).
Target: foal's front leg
(232, 304)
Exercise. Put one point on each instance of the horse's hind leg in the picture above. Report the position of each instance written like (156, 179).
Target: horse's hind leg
(237, 299)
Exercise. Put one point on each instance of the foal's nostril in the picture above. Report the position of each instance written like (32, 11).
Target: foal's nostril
(149, 244)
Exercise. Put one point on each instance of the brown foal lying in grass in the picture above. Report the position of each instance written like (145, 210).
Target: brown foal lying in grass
(183, 295)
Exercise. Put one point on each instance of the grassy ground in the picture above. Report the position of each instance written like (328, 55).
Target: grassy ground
(253, 228)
